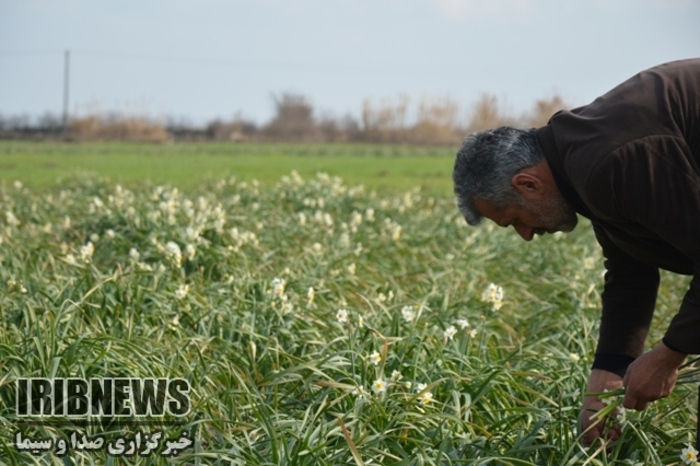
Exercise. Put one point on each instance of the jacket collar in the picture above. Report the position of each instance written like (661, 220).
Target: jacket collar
(548, 143)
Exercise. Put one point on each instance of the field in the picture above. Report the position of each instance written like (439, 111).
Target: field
(187, 165)
(337, 317)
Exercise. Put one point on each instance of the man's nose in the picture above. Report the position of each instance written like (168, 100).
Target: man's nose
(525, 232)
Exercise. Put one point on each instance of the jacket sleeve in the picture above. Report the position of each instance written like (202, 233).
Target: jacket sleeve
(629, 298)
(683, 335)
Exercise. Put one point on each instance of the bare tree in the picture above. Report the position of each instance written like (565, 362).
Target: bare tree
(293, 121)
(488, 113)
(543, 110)
(236, 130)
(385, 121)
(437, 121)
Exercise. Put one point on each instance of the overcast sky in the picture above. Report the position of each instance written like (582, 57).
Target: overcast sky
(203, 59)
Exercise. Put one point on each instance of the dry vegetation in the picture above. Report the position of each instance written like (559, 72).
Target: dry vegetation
(398, 120)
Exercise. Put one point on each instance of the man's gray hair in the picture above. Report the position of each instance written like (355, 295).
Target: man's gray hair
(485, 165)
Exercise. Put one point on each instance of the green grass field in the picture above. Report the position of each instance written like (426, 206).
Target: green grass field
(318, 322)
(187, 165)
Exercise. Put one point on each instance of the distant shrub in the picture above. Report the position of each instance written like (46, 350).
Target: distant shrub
(129, 128)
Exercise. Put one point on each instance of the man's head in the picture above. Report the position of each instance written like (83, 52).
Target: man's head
(501, 174)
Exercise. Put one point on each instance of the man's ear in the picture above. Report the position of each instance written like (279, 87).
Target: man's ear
(528, 185)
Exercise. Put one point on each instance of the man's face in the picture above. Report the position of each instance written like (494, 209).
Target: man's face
(531, 218)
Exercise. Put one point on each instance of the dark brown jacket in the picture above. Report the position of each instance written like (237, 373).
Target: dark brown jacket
(630, 162)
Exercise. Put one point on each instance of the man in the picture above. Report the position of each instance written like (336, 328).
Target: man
(630, 162)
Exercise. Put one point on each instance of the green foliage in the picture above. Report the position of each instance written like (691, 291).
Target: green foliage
(237, 288)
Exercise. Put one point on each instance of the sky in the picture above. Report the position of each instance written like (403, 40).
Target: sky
(198, 60)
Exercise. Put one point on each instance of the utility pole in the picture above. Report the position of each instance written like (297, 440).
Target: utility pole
(66, 87)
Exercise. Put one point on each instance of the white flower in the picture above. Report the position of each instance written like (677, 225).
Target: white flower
(94, 237)
(11, 219)
(396, 375)
(278, 285)
(359, 392)
(493, 294)
(317, 247)
(311, 295)
(190, 251)
(173, 253)
(463, 323)
(420, 387)
(607, 400)
(342, 316)
(408, 314)
(134, 254)
(287, 308)
(86, 252)
(689, 455)
(361, 321)
(379, 386)
(375, 357)
(181, 292)
(110, 233)
(450, 332)
(472, 333)
(352, 268)
(425, 398)
(396, 233)
(356, 219)
(622, 416)
(574, 357)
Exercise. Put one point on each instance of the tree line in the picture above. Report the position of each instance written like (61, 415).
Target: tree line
(397, 120)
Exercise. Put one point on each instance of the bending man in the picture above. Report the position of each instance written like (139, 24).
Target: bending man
(629, 162)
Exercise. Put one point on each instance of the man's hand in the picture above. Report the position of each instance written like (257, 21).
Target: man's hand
(598, 382)
(651, 376)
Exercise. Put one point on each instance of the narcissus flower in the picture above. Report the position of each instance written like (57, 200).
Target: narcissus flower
(493, 294)
(463, 323)
(181, 292)
(408, 314)
(379, 386)
(689, 455)
(173, 253)
(278, 285)
(342, 316)
(425, 398)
